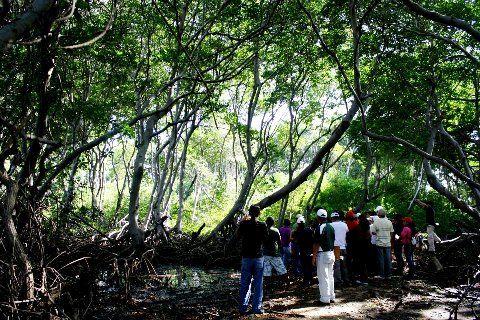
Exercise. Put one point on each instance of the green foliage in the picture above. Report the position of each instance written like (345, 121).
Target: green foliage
(407, 66)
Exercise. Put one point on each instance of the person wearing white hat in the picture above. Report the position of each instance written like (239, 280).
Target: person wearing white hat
(324, 258)
(340, 248)
(383, 229)
(295, 250)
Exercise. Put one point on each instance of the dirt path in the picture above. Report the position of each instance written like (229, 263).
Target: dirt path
(396, 299)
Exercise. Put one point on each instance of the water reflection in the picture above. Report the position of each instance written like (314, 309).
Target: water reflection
(179, 282)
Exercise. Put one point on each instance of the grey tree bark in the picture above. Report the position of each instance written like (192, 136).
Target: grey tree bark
(16, 246)
(181, 190)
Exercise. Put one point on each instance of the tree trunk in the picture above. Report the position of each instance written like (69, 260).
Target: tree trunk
(181, 191)
(135, 231)
(418, 187)
(318, 186)
(237, 206)
(68, 196)
(434, 182)
(18, 250)
(120, 189)
(366, 176)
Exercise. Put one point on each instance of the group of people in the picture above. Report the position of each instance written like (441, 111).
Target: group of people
(341, 249)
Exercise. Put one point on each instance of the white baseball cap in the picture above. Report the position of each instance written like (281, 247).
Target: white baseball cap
(379, 208)
(322, 213)
(334, 214)
(301, 219)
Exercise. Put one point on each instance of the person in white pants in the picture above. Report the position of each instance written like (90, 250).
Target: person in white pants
(324, 258)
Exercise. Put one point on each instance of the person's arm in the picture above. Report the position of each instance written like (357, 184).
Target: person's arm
(392, 233)
(238, 233)
(293, 237)
(403, 234)
(373, 228)
(279, 243)
(316, 247)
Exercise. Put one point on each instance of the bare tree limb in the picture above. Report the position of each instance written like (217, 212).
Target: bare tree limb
(100, 35)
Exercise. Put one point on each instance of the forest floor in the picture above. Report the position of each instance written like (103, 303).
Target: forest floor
(193, 293)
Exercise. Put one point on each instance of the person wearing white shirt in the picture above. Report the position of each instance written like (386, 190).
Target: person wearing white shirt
(383, 229)
(340, 248)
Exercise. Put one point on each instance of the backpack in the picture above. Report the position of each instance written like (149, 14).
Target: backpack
(326, 242)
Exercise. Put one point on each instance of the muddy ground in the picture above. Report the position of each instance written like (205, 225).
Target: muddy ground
(192, 293)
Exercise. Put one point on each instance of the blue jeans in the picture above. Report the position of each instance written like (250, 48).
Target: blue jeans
(252, 269)
(286, 255)
(384, 261)
(295, 259)
(409, 256)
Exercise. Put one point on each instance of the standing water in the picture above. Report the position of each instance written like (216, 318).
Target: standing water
(173, 291)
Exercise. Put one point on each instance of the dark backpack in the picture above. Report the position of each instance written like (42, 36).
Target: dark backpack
(327, 237)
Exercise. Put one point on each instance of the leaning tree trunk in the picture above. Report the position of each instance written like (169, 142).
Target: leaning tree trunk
(16, 245)
(237, 206)
(336, 135)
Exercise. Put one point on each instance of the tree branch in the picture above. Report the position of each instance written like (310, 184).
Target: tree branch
(16, 29)
(442, 19)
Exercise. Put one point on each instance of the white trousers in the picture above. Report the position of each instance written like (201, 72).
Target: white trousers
(432, 238)
(325, 261)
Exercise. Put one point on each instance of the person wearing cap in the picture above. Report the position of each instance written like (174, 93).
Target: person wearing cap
(297, 217)
(303, 238)
(340, 248)
(324, 258)
(383, 229)
(351, 220)
(295, 252)
(252, 234)
(272, 251)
